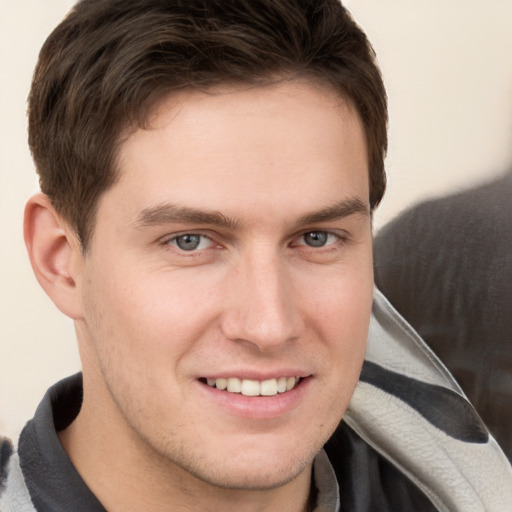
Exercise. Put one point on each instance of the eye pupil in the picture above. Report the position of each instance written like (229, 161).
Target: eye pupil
(188, 242)
(316, 238)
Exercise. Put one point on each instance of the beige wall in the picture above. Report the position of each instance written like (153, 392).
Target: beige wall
(448, 69)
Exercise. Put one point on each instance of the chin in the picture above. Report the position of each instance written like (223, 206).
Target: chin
(250, 477)
(251, 465)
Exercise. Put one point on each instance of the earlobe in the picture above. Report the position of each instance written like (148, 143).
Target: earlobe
(54, 254)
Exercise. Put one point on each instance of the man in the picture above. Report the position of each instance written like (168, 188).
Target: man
(208, 173)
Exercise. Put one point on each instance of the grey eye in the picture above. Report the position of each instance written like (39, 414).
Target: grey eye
(188, 242)
(316, 238)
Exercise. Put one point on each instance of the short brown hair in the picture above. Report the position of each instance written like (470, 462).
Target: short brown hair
(109, 60)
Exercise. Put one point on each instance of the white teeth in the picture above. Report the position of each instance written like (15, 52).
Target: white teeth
(290, 383)
(281, 384)
(250, 387)
(269, 387)
(234, 385)
(221, 384)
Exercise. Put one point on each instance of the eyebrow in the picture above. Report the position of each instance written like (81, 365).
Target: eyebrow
(169, 213)
(339, 210)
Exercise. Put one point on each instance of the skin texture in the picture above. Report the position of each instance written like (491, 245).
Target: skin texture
(252, 171)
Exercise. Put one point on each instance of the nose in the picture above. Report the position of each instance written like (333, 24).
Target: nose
(262, 306)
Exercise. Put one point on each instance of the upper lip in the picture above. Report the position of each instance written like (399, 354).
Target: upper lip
(251, 374)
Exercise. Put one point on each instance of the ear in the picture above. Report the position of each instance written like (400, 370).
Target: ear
(54, 253)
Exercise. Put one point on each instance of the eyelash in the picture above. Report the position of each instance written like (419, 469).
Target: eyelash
(169, 242)
(339, 240)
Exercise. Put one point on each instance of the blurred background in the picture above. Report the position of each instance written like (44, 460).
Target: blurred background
(447, 65)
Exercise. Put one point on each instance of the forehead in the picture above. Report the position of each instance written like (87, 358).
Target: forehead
(245, 146)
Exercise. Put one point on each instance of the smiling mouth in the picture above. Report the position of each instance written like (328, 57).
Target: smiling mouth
(247, 387)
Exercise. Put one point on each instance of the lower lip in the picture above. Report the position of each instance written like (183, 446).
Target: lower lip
(258, 407)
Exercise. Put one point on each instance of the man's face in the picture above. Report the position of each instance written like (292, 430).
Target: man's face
(235, 249)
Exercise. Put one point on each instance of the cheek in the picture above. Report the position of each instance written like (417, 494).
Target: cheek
(340, 313)
(151, 317)
(139, 331)
(342, 300)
